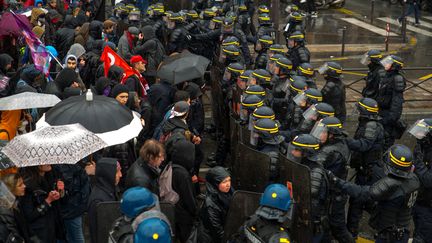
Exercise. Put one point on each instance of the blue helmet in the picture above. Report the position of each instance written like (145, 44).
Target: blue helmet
(153, 230)
(52, 50)
(276, 196)
(135, 200)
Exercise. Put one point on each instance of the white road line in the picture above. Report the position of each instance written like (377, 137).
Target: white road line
(409, 27)
(361, 24)
(427, 17)
(422, 23)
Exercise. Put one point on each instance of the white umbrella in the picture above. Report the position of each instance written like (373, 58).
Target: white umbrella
(28, 100)
(53, 145)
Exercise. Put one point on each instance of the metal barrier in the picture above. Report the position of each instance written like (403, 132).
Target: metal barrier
(412, 84)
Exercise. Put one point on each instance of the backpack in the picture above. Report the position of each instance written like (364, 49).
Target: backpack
(167, 193)
(158, 133)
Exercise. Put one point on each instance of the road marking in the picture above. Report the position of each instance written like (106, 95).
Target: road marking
(428, 17)
(425, 77)
(359, 23)
(409, 27)
(355, 73)
(422, 23)
(345, 11)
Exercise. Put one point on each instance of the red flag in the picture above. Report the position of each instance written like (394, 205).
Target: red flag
(110, 57)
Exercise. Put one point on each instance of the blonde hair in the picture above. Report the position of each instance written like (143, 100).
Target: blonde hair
(151, 150)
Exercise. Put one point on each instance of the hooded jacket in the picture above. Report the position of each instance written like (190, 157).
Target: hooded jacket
(35, 13)
(61, 85)
(104, 190)
(214, 211)
(5, 59)
(83, 34)
(152, 50)
(95, 33)
(64, 37)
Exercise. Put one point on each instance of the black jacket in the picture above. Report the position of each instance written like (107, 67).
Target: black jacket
(333, 93)
(151, 49)
(64, 37)
(14, 226)
(104, 190)
(160, 96)
(214, 211)
(141, 174)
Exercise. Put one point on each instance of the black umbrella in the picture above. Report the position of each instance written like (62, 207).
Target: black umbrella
(104, 116)
(183, 67)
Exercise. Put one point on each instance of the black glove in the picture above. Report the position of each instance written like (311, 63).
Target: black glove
(332, 178)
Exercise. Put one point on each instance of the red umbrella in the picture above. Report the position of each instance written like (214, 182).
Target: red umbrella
(8, 25)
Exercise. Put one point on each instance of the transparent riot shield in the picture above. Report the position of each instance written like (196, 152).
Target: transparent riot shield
(298, 176)
(234, 139)
(244, 134)
(243, 204)
(252, 169)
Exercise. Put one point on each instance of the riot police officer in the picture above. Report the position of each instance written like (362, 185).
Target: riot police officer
(275, 49)
(178, 36)
(230, 54)
(245, 22)
(303, 149)
(395, 195)
(255, 89)
(367, 148)
(313, 114)
(306, 70)
(228, 29)
(268, 223)
(265, 26)
(156, 15)
(271, 63)
(261, 47)
(334, 89)
(294, 24)
(261, 77)
(302, 102)
(265, 136)
(297, 51)
(422, 212)
(334, 155)
(372, 59)
(390, 98)
(296, 85)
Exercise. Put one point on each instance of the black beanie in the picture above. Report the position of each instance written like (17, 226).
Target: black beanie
(118, 89)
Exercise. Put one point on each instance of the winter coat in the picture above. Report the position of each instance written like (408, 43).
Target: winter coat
(151, 50)
(95, 33)
(77, 186)
(186, 209)
(61, 85)
(35, 13)
(160, 96)
(125, 155)
(82, 36)
(64, 37)
(141, 174)
(104, 190)
(44, 220)
(13, 225)
(214, 211)
(124, 49)
(176, 128)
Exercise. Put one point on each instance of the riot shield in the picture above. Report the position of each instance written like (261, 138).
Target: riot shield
(245, 134)
(252, 169)
(106, 214)
(299, 177)
(243, 204)
(234, 139)
(216, 95)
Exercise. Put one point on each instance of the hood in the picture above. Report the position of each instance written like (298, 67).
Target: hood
(184, 154)
(65, 78)
(148, 32)
(70, 22)
(84, 31)
(95, 29)
(68, 57)
(35, 13)
(214, 177)
(115, 73)
(106, 170)
(29, 73)
(101, 84)
(97, 47)
(5, 59)
(174, 123)
(76, 50)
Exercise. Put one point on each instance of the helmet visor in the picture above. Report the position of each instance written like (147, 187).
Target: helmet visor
(323, 69)
(244, 113)
(300, 99)
(388, 61)
(7, 199)
(294, 153)
(365, 60)
(253, 138)
(320, 131)
(251, 80)
(419, 129)
(227, 75)
(311, 114)
(258, 46)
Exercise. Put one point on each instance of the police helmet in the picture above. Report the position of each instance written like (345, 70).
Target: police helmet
(295, 17)
(231, 14)
(284, 64)
(263, 112)
(308, 97)
(134, 14)
(264, 19)
(277, 48)
(236, 68)
(251, 102)
(373, 56)
(268, 131)
(392, 62)
(135, 200)
(265, 40)
(276, 57)
(246, 74)
(228, 22)
(208, 14)
(262, 76)
(421, 128)
(231, 51)
(331, 69)
(318, 111)
(153, 230)
(292, 8)
(367, 107)
(255, 90)
(216, 22)
(192, 15)
(306, 69)
(276, 196)
(305, 143)
(242, 8)
(327, 125)
(398, 161)
(297, 85)
(177, 17)
(263, 9)
(296, 36)
(231, 40)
